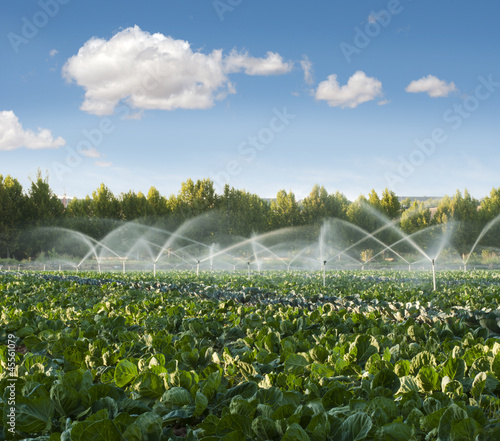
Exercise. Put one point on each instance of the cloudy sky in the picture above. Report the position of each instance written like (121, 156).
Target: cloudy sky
(352, 95)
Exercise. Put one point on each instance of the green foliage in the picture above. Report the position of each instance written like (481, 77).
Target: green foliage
(131, 358)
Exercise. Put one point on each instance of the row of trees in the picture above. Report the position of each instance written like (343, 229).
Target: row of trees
(238, 212)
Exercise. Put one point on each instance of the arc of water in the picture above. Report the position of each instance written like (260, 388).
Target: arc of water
(486, 228)
(368, 236)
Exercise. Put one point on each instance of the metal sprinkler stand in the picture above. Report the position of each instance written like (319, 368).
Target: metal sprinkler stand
(154, 269)
(324, 273)
(433, 274)
(248, 267)
(197, 268)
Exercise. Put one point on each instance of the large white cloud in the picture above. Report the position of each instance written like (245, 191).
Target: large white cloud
(359, 89)
(154, 71)
(13, 136)
(431, 85)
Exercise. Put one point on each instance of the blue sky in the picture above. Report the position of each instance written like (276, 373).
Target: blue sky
(264, 95)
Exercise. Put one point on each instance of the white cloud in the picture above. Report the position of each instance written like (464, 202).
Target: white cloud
(13, 136)
(103, 164)
(271, 65)
(383, 102)
(359, 89)
(306, 65)
(372, 18)
(154, 71)
(53, 52)
(91, 153)
(431, 85)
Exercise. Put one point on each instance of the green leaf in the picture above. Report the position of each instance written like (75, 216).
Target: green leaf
(264, 428)
(495, 366)
(451, 415)
(465, 430)
(176, 396)
(295, 364)
(388, 379)
(33, 415)
(454, 368)
(272, 396)
(428, 379)
(394, 432)
(125, 372)
(66, 399)
(211, 384)
(149, 426)
(336, 397)
(366, 345)
(149, 385)
(295, 433)
(354, 428)
(104, 430)
(201, 403)
(319, 427)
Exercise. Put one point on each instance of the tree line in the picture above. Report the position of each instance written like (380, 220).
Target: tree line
(239, 213)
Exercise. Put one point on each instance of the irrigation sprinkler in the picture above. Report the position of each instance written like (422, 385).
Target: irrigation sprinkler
(248, 269)
(324, 273)
(197, 268)
(288, 267)
(154, 269)
(123, 266)
(433, 274)
(44, 268)
(59, 268)
(409, 267)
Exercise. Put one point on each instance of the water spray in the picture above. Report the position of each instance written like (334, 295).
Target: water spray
(433, 274)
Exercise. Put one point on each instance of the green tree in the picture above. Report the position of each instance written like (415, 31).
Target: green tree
(104, 204)
(134, 206)
(463, 211)
(389, 204)
(316, 206)
(415, 218)
(43, 206)
(243, 213)
(12, 206)
(157, 202)
(284, 211)
(489, 208)
(193, 199)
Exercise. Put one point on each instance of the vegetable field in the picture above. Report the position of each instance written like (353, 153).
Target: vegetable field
(373, 356)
